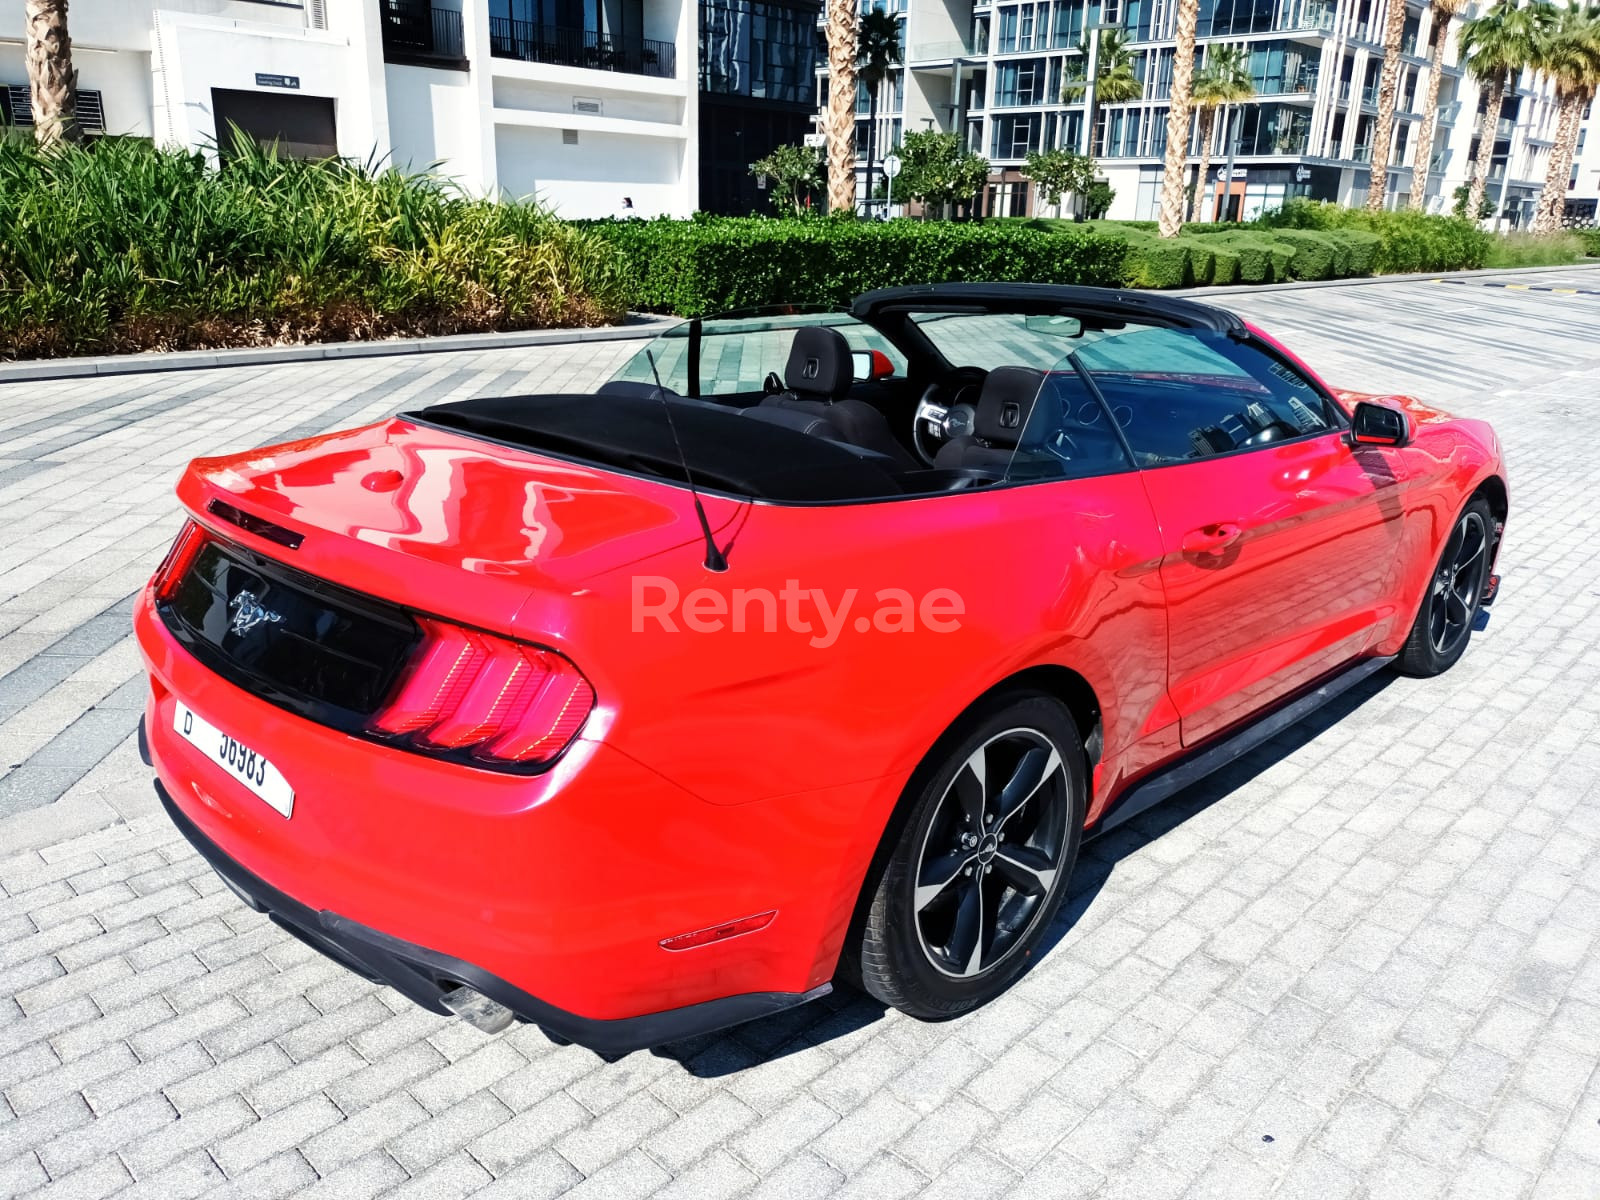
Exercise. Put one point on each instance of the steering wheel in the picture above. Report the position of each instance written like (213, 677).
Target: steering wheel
(948, 409)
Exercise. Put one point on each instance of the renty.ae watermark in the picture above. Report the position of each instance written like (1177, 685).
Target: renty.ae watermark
(794, 608)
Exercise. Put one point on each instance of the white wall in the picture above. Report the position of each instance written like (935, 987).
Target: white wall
(121, 78)
(496, 127)
(591, 178)
(125, 24)
(195, 54)
(432, 119)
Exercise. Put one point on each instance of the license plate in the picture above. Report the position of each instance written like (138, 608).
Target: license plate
(233, 756)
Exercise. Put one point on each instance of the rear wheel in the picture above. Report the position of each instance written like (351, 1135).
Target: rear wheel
(1455, 594)
(981, 865)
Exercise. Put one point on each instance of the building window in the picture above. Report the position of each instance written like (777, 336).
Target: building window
(766, 51)
(1022, 82)
(1014, 137)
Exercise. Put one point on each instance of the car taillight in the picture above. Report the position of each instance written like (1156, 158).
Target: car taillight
(495, 699)
(191, 540)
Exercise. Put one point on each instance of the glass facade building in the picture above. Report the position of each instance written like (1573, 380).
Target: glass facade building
(998, 71)
(758, 90)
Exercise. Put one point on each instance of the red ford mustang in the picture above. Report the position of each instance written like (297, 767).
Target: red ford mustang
(809, 646)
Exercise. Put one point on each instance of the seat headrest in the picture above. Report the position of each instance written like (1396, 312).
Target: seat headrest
(819, 363)
(1005, 403)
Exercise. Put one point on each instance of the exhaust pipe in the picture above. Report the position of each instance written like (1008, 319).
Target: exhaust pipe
(478, 1010)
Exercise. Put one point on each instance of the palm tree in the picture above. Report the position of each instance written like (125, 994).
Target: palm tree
(1496, 46)
(1224, 79)
(1115, 80)
(877, 49)
(52, 78)
(1394, 29)
(1178, 120)
(1442, 11)
(1570, 56)
(841, 105)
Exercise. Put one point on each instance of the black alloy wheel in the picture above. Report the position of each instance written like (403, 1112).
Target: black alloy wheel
(978, 865)
(991, 853)
(1454, 595)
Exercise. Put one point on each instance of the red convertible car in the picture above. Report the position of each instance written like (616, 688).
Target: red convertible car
(810, 647)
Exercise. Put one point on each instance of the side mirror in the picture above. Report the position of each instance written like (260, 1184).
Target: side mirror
(866, 365)
(1379, 425)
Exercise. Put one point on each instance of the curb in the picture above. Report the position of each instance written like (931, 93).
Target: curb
(1234, 289)
(638, 326)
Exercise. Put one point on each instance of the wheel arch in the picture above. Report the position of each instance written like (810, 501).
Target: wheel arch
(1493, 489)
(1059, 682)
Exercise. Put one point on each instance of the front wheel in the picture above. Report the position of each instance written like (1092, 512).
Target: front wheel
(980, 868)
(1455, 594)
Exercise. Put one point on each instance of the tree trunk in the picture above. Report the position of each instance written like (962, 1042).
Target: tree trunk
(1208, 122)
(1430, 111)
(1394, 29)
(872, 136)
(51, 78)
(1486, 134)
(1178, 121)
(841, 106)
(1553, 200)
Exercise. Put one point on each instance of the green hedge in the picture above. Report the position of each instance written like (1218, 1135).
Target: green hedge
(1407, 241)
(1591, 241)
(722, 264)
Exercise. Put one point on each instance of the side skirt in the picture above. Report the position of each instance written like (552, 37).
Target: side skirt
(1216, 754)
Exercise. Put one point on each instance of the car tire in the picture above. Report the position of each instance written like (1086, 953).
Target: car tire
(979, 868)
(1454, 594)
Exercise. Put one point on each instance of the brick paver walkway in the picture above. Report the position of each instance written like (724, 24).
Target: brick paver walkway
(1364, 962)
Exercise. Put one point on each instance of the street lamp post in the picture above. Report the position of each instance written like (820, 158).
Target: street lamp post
(1233, 148)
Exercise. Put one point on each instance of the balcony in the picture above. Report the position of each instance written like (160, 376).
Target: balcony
(939, 52)
(1362, 154)
(1295, 83)
(563, 47)
(415, 33)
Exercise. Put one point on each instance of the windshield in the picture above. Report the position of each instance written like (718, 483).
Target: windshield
(1173, 395)
(990, 340)
(737, 354)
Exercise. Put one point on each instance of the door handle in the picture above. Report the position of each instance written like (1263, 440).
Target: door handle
(1210, 539)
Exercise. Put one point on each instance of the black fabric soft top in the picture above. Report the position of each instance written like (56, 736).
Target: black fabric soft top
(630, 433)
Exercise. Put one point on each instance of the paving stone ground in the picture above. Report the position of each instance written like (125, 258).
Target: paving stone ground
(1363, 962)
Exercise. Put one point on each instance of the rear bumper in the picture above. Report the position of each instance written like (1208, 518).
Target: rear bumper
(551, 894)
(423, 975)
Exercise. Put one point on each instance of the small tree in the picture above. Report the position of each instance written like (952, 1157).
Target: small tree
(1459, 208)
(1097, 200)
(794, 172)
(1057, 172)
(938, 170)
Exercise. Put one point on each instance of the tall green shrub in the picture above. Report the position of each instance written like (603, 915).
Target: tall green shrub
(1407, 241)
(120, 246)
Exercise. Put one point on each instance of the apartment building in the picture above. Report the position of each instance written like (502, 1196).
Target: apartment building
(579, 102)
(993, 70)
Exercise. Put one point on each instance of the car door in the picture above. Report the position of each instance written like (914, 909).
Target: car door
(1279, 538)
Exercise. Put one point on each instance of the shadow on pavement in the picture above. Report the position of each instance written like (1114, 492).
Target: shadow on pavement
(847, 1011)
